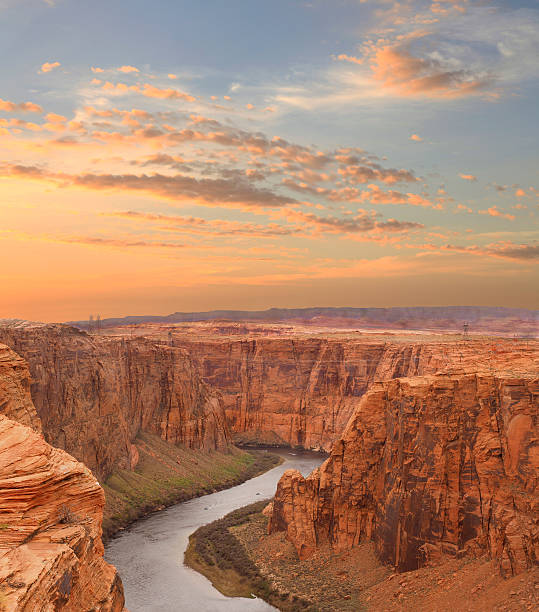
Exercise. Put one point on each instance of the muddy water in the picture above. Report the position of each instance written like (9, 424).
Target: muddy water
(149, 555)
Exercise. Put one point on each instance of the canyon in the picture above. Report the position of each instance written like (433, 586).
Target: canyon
(94, 394)
(432, 437)
(301, 389)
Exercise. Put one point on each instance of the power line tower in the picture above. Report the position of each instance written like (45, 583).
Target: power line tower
(465, 329)
(170, 339)
(90, 324)
(98, 323)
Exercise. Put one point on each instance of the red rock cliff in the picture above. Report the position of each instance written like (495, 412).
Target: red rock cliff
(94, 394)
(15, 400)
(51, 507)
(302, 391)
(427, 465)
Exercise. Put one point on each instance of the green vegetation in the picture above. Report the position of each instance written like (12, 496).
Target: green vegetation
(216, 553)
(167, 474)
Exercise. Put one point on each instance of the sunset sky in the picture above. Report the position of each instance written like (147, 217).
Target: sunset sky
(176, 155)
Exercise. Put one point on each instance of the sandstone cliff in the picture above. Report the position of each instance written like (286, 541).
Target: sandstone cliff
(15, 400)
(51, 508)
(94, 394)
(51, 554)
(427, 466)
(302, 390)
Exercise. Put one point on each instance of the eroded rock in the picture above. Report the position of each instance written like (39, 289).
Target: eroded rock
(432, 465)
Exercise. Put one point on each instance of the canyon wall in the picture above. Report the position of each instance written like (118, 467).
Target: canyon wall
(94, 394)
(302, 391)
(433, 465)
(15, 400)
(51, 508)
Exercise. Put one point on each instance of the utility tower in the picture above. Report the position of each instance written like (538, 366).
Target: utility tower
(90, 324)
(465, 329)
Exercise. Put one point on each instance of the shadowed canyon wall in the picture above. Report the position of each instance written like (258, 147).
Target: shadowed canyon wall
(302, 391)
(94, 394)
(51, 508)
(427, 466)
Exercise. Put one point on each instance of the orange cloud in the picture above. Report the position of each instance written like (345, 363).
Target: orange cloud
(148, 90)
(416, 138)
(395, 68)
(468, 177)
(494, 212)
(48, 66)
(127, 69)
(14, 107)
(366, 174)
(349, 58)
(54, 118)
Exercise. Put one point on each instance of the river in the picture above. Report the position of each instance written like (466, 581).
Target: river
(149, 554)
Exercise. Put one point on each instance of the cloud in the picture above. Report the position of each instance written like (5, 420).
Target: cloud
(343, 57)
(215, 227)
(395, 67)
(49, 66)
(360, 223)
(507, 250)
(178, 188)
(493, 211)
(416, 138)
(148, 90)
(127, 69)
(468, 177)
(24, 107)
(113, 242)
(365, 174)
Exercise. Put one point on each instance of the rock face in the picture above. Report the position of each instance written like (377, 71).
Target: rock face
(94, 394)
(302, 391)
(427, 466)
(15, 400)
(51, 554)
(51, 507)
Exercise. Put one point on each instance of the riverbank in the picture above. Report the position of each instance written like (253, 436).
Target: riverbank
(238, 556)
(167, 474)
(218, 554)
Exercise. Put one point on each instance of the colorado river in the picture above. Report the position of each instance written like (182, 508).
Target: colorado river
(149, 555)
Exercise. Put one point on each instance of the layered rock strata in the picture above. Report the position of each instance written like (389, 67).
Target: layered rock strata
(433, 465)
(51, 508)
(301, 391)
(94, 394)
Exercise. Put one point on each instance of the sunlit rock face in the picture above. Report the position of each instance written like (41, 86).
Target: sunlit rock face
(94, 394)
(51, 508)
(426, 466)
(302, 391)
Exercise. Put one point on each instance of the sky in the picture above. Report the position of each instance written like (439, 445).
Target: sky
(174, 155)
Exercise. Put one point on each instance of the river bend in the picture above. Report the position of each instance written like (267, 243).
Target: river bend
(149, 554)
